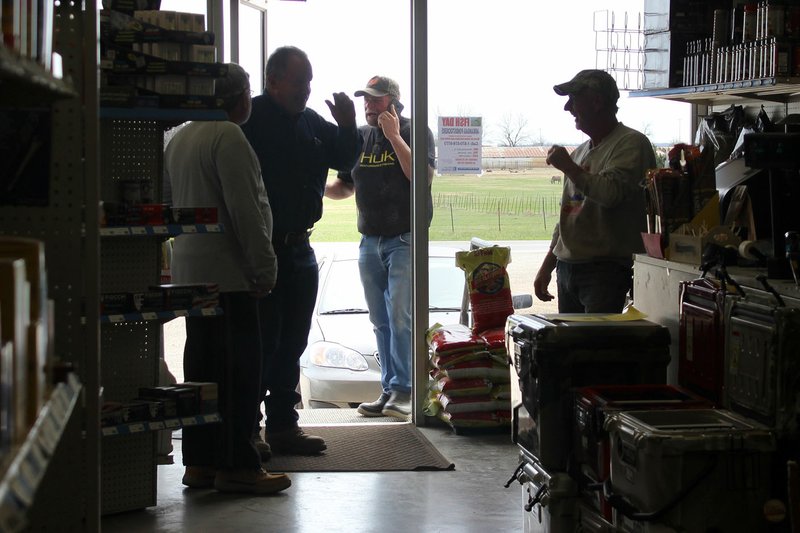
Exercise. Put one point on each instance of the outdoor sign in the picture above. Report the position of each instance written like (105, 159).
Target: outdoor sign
(460, 145)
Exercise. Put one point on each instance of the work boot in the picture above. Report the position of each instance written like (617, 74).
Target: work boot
(399, 405)
(199, 477)
(295, 442)
(251, 481)
(264, 450)
(374, 408)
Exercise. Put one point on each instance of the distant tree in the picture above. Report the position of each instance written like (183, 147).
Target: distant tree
(513, 129)
(661, 156)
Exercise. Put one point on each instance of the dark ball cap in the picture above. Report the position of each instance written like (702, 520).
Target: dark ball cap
(598, 81)
(380, 86)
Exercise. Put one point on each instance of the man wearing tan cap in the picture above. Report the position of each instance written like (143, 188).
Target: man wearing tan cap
(381, 181)
(602, 204)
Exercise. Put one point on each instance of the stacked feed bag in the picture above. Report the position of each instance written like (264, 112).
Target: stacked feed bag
(470, 386)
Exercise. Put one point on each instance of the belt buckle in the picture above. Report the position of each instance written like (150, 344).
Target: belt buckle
(295, 237)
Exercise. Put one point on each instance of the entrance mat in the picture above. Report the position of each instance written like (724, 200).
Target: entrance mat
(365, 448)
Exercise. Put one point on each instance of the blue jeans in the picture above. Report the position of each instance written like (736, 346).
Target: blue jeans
(597, 287)
(385, 267)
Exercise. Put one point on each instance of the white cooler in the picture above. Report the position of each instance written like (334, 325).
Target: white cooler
(549, 499)
(714, 463)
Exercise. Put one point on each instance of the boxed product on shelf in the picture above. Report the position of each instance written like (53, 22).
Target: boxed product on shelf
(37, 330)
(130, 6)
(7, 388)
(136, 191)
(188, 296)
(202, 53)
(119, 93)
(194, 215)
(161, 58)
(207, 395)
(137, 411)
(14, 322)
(116, 303)
(165, 394)
(200, 86)
(173, 20)
(121, 28)
(154, 214)
(148, 301)
(111, 414)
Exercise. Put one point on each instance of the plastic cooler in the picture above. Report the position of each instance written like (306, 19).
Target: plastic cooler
(762, 360)
(701, 345)
(712, 465)
(552, 358)
(549, 499)
(594, 404)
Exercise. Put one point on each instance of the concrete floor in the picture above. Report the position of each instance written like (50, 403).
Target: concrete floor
(470, 498)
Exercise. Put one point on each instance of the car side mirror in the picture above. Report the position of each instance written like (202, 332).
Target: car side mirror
(521, 301)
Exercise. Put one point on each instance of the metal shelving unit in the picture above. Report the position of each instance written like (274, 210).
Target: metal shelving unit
(51, 481)
(157, 425)
(782, 90)
(131, 149)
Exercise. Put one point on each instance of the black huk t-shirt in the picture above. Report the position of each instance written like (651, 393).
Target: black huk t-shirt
(383, 193)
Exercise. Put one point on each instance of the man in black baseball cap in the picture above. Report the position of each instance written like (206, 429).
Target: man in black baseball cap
(602, 205)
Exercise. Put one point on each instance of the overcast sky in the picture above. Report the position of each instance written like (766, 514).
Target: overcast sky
(494, 59)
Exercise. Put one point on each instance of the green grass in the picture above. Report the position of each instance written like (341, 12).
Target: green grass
(495, 206)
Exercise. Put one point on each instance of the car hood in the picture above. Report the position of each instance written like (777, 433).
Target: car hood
(355, 330)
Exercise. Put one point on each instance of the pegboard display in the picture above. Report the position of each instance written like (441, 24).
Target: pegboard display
(130, 172)
(128, 476)
(131, 152)
(130, 264)
(130, 358)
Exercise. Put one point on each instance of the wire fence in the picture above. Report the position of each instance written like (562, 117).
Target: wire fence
(546, 204)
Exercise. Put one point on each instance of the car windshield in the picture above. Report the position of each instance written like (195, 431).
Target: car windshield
(342, 291)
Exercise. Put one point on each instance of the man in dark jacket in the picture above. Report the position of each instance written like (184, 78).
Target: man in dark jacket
(295, 147)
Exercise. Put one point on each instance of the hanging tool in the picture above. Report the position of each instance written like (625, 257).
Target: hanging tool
(793, 253)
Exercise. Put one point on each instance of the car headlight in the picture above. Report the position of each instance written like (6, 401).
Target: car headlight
(332, 355)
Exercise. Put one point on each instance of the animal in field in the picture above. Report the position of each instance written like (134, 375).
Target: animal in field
(555, 179)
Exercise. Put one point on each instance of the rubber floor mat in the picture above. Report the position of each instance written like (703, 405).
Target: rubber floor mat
(365, 448)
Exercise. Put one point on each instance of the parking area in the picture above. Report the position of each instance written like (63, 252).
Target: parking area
(526, 256)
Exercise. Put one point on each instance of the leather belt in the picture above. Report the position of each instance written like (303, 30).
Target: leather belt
(292, 238)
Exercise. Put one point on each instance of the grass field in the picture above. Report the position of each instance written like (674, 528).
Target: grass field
(499, 205)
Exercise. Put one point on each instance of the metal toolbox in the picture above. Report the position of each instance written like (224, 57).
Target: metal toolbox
(594, 404)
(689, 469)
(762, 359)
(701, 344)
(552, 358)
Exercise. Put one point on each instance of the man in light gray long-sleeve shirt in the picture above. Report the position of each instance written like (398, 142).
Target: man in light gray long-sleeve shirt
(211, 164)
(602, 204)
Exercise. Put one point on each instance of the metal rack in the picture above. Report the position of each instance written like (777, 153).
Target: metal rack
(52, 479)
(619, 47)
(131, 149)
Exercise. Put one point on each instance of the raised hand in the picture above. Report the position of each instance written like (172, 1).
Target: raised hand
(342, 110)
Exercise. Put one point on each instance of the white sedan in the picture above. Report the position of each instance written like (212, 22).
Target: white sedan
(340, 366)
